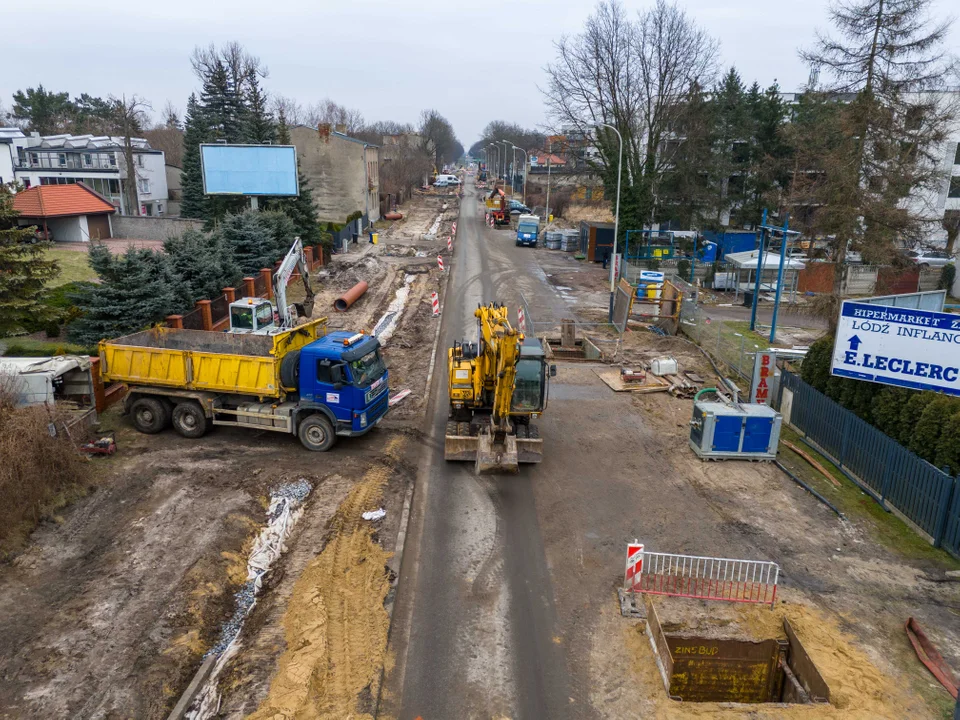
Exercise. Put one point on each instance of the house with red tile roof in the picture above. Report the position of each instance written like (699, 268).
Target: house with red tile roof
(66, 213)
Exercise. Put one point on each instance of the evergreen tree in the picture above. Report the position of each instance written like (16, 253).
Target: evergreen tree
(24, 272)
(251, 240)
(203, 262)
(258, 126)
(301, 209)
(768, 175)
(282, 230)
(685, 193)
(220, 101)
(137, 289)
(732, 133)
(194, 203)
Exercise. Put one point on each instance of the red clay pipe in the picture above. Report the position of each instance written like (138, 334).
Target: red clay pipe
(350, 296)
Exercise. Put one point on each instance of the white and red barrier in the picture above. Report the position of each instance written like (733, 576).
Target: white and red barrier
(435, 302)
(522, 321)
(450, 244)
(440, 262)
(454, 228)
(634, 563)
(704, 578)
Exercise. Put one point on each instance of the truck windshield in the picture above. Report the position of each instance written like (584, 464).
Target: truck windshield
(528, 228)
(367, 369)
(528, 390)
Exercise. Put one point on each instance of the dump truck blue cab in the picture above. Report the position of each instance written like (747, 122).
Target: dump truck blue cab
(343, 375)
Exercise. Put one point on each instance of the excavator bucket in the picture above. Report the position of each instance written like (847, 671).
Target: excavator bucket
(529, 450)
(461, 448)
(495, 457)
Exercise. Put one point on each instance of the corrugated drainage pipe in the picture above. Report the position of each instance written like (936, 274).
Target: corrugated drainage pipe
(350, 296)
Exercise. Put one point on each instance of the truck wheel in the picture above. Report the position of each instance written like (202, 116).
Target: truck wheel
(150, 415)
(189, 420)
(316, 433)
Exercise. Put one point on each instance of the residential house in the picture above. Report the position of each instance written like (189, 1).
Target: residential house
(97, 161)
(66, 213)
(8, 139)
(344, 172)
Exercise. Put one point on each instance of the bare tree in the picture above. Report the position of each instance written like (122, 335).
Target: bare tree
(292, 111)
(332, 113)
(438, 139)
(887, 73)
(130, 116)
(171, 116)
(634, 75)
(951, 225)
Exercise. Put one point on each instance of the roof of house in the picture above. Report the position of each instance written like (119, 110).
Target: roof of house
(45, 201)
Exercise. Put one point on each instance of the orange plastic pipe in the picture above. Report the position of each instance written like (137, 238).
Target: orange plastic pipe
(350, 296)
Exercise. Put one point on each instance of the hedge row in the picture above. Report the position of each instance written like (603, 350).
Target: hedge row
(927, 423)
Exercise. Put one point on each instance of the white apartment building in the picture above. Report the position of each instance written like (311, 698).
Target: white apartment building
(97, 161)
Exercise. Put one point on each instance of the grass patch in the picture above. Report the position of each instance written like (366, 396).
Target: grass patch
(751, 337)
(73, 266)
(28, 347)
(884, 527)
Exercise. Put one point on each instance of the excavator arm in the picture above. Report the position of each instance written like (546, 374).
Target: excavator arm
(294, 260)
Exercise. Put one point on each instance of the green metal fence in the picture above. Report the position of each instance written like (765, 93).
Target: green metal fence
(891, 474)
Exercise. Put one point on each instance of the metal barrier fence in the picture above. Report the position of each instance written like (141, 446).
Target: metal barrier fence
(706, 578)
(891, 474)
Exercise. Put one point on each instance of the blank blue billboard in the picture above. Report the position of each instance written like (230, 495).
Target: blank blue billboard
(249, 170)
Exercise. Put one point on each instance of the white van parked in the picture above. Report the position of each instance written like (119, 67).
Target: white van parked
(444, 180)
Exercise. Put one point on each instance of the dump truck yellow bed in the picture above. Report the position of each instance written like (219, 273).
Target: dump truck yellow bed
(208, 361)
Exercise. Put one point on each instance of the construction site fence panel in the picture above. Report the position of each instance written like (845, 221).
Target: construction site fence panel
(192, 320)
(707, 578)
(923, 494)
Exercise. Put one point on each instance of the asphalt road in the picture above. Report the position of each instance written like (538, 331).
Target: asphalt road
(474, 623)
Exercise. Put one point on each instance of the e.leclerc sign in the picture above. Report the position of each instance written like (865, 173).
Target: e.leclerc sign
(898, 346)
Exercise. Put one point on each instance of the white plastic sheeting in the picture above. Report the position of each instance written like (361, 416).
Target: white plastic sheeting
(286, 507)
(391, 318)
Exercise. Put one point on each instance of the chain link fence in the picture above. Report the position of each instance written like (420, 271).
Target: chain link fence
(723, 343)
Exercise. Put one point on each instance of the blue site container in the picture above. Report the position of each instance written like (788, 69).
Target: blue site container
(734, 431)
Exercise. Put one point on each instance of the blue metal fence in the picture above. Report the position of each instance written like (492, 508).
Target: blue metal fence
(881, 466)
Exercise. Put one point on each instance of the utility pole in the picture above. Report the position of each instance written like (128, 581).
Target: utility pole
(547, 218)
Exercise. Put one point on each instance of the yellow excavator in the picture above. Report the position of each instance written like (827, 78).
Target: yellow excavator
(496, 386)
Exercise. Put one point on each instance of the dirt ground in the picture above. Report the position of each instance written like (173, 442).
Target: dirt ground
(847, 586)
(109, 610)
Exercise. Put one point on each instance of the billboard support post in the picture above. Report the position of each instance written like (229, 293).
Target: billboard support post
(779, 291)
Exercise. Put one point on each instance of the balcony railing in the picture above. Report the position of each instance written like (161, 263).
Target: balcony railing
(68, 161)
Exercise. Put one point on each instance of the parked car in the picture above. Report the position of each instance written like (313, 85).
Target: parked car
(518, 208)
(929, 258)
(853, 256)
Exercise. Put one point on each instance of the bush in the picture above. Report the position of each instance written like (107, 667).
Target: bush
(948, 273)
(926, 435)
(356, 215)
(683, 268)
(948, 446)
(910, 415)
(886, 407)
(38, 471)
(815, 369)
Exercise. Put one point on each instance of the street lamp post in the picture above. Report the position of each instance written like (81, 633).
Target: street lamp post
(505, 167)
(497, 164)
(525, 163)
(616, 220)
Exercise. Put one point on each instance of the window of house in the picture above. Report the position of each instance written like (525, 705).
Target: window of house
(114, 187)
(26, 182)
(144, 184)
(159, 208)
(956, 159)
(62, 159)
(954, 191)
(149, 208)
(34, 159)
(140, 160)
(112, 157)
(88, 159)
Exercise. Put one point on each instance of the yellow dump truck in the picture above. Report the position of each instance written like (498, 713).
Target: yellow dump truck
(303, 381)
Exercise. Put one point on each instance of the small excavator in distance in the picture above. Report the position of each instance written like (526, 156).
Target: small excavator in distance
(496, 387)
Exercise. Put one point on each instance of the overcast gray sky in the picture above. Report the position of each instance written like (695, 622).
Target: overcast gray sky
(389, 59)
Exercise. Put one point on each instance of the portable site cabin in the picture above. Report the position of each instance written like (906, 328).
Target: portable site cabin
(596, 239)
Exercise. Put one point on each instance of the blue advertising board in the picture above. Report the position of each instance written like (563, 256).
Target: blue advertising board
(249, 170)
(909, 348)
